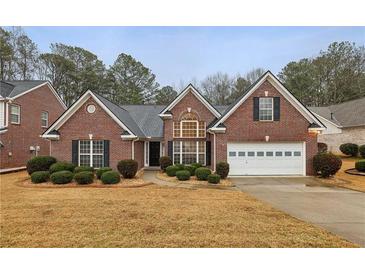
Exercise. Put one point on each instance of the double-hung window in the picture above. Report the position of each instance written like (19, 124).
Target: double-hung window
(189, 127)
(188, 152)
(91, 153)
(266, 109)
(44, 119)
(14, 114)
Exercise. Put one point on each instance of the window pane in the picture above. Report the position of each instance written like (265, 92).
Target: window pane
(176, 158)
(189, 158)
(189, 147)
(44, 119)
(98, 147)
(176, 129)
(85, 147)
(297, 153)
(201, 147)
(260, 153)
(269, 153)
(241, 153)
(250, 153)
(265, 109)
(201, 159)
(84, 160)
(287, 153)
(278, 153)
(176, 147)
(14, 114)
(189, 129)
(98, 161)
(232, 154)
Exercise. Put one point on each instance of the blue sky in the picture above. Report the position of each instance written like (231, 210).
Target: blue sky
(179, 54)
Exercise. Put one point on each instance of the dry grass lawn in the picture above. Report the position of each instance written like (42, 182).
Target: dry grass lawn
(150, 216)
(193, 180)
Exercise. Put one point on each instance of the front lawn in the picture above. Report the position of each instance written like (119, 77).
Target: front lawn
(150, 216)
(351, 181)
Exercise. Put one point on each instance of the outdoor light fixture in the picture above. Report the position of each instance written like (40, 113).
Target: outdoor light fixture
(267, 138)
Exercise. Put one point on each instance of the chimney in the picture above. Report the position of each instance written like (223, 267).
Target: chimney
(331, 115)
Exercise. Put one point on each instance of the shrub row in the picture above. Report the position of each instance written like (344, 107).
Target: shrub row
(360, 165)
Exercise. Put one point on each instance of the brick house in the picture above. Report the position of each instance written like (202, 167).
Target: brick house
(27, 108)
(266, 131)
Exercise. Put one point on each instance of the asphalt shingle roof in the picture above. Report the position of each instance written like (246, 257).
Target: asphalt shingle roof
(13, 88)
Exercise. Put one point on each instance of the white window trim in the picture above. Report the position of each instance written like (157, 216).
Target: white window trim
(44, 119)
(91, 152)
(272, 109)
(181, 129)
(19, 114)
(197, 152)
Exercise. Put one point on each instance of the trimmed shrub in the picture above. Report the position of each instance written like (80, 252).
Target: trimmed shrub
(171, 170)
(326, 164)
(222, 169)
(196, 165)
(83, 169)
(84, 177)
(165, 161)
(191, 169)
(202, 173)
(349, 149)
(360, 165)
(110, 177)
(322, 147)
(180, 166)
(362, 151)
(128, 168)
(39, 177)
(62, 177)
(60, 166)
(101, 170)
(183, 175)
(214, 178)
(40, 163)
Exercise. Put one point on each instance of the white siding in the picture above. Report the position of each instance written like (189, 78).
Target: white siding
(2, 114)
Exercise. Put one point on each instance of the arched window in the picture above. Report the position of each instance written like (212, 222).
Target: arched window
(189, 126)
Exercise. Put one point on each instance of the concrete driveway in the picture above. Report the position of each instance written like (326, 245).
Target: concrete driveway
(338, 210)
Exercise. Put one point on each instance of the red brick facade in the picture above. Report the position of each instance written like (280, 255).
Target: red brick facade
(18, 139)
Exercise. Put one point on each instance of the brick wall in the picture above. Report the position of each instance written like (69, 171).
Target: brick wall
(19, 138)
(292, 127)
(102, 126)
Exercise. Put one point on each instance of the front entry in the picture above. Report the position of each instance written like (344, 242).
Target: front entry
(154, 157)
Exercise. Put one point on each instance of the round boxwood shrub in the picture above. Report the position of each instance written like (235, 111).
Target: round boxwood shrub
(349, 149)
(59, 166)
(84, 177)
(322, 147)
(222, 169)
(326, 164)
(191, 169)
(83, 168)
(101, 170)
(171, 170)
(362, 151)
(62, 177)
(196, 165)
(202, 173)
(360, 165)
(165, 161)
(128, 168)
(39, 177)
(183, 175)
(180, 166)
(40, 163)
(110, 177)
(214, 178)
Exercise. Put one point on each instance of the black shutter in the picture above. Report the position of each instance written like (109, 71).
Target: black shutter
(208, 151)
(256, 108)
(106, 153)
(169, 149)
(276, 108)
(75, 152)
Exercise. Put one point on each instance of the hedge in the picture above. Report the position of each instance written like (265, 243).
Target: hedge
(62, 177)
(39, 177)
(191, 169)
(362, 151)
(101, 170)
(165, 161)
(326, 164)
(110, 177)
(171, 170)
(83, 168)
(222, 169)
(360, 165)
(128, 168)
(40, 163)
(60, 166)
(214, 178)
(202, 173)
(183, 175)
(349, 149)
(196, 165)
(84, 177)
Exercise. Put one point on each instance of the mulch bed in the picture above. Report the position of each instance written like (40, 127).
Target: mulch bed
(354, 171)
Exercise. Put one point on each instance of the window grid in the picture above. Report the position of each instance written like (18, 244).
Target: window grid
(44, 119)
(91, 153)
(189, 129)
(266, 109)
(15, 114)
(188, 152)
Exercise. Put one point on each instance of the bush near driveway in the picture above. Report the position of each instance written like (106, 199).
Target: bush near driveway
(128, 168)
(349, 149)
(183, 175)
(214, 178)
(62, 177)
(60, 166)
(222, 169)
(326, 164)
(202, 173)
(40, 163)
(84, 177)
(362, 151)
(101, 170)
(165, 161)
(171, 171)
(39, 177)
(360, 165)
(83, 168)
(110, 177)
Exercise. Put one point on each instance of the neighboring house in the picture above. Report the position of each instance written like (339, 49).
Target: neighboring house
(267, 131)
(27, 108)
(345, 123)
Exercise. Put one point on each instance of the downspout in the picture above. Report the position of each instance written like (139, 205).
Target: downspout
(214, 151)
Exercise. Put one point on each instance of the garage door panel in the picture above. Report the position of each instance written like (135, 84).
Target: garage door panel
(265, 158)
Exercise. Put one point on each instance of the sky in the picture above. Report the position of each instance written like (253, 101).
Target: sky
(178, 55)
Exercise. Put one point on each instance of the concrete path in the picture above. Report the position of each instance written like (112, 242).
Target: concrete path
(338, 210)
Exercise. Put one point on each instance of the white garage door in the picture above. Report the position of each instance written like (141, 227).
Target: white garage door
(266, 158)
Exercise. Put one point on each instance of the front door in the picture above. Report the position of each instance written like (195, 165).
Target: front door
(154, 157)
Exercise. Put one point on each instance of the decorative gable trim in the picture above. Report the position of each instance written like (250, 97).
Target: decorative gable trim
(76, 106)
(166, 112)
(282, 90)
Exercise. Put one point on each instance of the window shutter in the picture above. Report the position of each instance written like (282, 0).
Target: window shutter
(75, 152)
(208, 153)
(276, 108)
(169, 149)
(106, 153)
(256, 108)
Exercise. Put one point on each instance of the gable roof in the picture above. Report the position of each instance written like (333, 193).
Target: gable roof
(197, 94)
(347, 114)
(281, 88)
